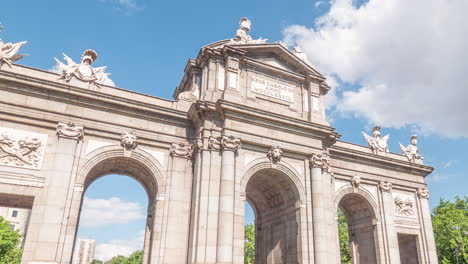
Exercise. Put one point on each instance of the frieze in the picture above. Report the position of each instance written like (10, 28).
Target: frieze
(21, 149)
(70, 130)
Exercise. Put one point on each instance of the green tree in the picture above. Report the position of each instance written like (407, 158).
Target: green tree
(97, 262)
(135, 258)
(450, 222)
(345, 252)
(117, 260)
(249, 244)
(10, 253)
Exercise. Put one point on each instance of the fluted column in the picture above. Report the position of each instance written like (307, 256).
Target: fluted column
(230, 145)
(389, 222)
(319, 162)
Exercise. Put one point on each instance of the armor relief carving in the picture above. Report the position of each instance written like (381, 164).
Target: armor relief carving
(70, 130)
(274, 154)
(181, 150)
(404, 205)
(385, 186)
(423, 193)
(22, 149)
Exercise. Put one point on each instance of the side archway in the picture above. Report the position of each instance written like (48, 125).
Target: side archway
(360, 210)
(275, 192)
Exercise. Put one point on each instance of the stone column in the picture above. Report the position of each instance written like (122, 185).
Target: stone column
(49, 221)
(389, 223)
(426, 225)
(230, 146)
(319, 210)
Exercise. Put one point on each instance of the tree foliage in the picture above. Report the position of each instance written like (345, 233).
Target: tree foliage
(135, 258)
(345, 252)
(10, 252)
(450, 222)
(249, 244)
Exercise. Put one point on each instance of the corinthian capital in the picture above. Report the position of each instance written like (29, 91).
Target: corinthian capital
(181, 150)
(230, 143)
(321, 161)
(69, 130)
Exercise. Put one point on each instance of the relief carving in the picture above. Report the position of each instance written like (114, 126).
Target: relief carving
(385, 186)
(21, 149)
(320, 161)
(274, 154)
(230, 143)
(423, 193)
(404, 207)
(356, 181)
(70, 130)
(181, 150)
(214, 143)
(129, 141)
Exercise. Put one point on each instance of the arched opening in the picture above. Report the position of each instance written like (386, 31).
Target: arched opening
(274, 199)
(142, 182)
(360, 223)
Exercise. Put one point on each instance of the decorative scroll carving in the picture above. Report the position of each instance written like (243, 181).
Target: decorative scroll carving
(385, 186)
(321, 161)
(356, 181)
(70, 130)
(21, 149)
(129, 141)
(412, 150)
(377, 143)
(181, 150)
(274, 154)
(84, 71)
(242, 34)
(423, 193)
(9, 51)
(230, 143)
(214, 143)
(403, 207)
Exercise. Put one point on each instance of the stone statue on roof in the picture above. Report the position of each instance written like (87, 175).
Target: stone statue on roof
(242, 34)
(376, 142)
(9, 51)
(412, 150)
(84, 71)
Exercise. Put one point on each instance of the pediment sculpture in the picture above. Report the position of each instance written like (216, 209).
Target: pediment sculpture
(376, 142)
(9, 51)
(412, 150)
(242, 34)
(83, 71)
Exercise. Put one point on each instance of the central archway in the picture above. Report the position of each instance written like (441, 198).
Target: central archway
(275, 200)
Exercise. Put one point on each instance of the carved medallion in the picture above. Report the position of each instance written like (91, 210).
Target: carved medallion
(70, 130)
(385, 186)
(230, 143)
(129, 141)
(21, 149)
(181, 150)
(274, 154)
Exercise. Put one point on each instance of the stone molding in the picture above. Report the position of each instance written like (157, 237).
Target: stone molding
(275, 154)
(423, 193)
(70, 130)
(385, 186)
(181, 150)
(129, 141)
(321, 161)
(230, 143)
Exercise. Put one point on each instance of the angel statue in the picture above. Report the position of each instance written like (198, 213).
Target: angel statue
(412, 150)
(242, 34)
(8, 51)
(377, 143)
(84, 71)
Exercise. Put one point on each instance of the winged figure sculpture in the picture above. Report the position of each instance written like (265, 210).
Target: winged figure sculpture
(377, 143)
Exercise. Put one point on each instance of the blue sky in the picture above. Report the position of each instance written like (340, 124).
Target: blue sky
(398, 64)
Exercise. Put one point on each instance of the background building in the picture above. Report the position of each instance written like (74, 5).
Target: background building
(85, 251)
(18, 218)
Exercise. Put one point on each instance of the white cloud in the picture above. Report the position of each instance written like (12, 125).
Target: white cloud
(319, 3)
(113, 248)
(434, 178)
(408, 59)
(100, 212)
(449, 164)
(127, 4)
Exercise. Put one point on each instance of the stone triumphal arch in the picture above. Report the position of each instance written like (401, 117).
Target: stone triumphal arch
(248, 125)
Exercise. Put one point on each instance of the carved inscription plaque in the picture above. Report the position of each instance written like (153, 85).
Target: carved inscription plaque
(271, 89)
